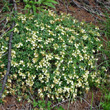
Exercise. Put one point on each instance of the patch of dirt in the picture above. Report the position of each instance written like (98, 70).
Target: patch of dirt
(84, 103)
(82, 13)
(79, 14)
(81, 103)
(11, 103)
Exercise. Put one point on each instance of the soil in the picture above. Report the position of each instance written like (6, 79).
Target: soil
(85, 104)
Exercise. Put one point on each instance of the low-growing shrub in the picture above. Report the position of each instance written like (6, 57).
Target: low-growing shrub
(52, 56)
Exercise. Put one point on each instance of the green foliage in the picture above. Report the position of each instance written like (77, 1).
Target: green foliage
(52, 56)
(6, 6)
(105, 30)
(1, 102)
(106, 25)
(0, 85)
(106, 103)
(60, 108)
(41, 5)
(92, 100)
(42, 104)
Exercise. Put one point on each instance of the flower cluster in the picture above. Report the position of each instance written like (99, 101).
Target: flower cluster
(52, 56)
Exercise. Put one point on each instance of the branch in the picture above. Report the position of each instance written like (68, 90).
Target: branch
(88, 8)
(9, 62)
(60, 103)
(4, 32)
(9, 55)
(2, 20)
(79, 6)
(15, 6)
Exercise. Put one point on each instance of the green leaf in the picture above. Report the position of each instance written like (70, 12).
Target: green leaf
(0, 86)
(60, 108)
(34, 9)
(40, 8)
(31, 2)
(36, 3)
(25, 1)
(28, 6)
(49, 104)
(35, 103)
(43, 104)
(39, 102)
(49, 5)
(40, 2)
(52, 1)
(1, 102)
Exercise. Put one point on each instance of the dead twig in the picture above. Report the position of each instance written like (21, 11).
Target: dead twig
(31, 95)
(93, 10)
(2, 107)
(4, 25)
(60, 103)
(4, 32)
(9, 62)
(85, 101)
(15, 6)
(30, 107)
(5, 54)
(2, 19)
(9, 56)
(79, 6)
(104, 4)
(89, 9)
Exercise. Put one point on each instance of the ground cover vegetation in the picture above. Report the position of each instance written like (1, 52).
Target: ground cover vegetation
(105, 29)
(30, 5)
(53, 56)
(56, 55)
